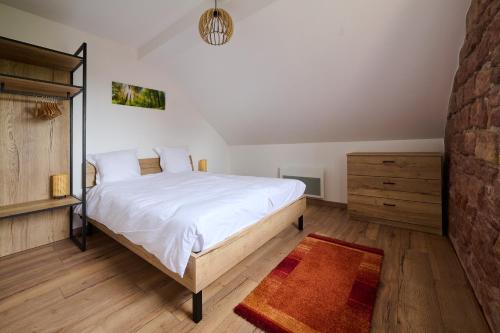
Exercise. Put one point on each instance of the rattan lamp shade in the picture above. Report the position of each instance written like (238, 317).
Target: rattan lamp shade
(216, 26)
(60, 185)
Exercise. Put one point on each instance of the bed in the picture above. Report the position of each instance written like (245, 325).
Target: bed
(141, 213)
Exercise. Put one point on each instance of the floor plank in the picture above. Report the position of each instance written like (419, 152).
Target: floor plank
(418, 307)
(109, 289)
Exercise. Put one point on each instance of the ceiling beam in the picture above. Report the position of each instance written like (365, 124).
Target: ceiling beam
(238, 9)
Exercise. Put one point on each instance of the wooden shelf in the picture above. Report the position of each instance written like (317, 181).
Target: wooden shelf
(33, 87)
(37, 206)
(37, 55)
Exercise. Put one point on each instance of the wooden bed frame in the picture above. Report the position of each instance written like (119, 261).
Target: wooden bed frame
(205, 267)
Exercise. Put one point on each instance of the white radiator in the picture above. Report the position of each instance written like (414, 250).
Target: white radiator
(311, 176)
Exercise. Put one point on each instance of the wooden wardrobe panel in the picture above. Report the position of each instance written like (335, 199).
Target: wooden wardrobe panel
(32, 230)
(30, 151)
(33, 71)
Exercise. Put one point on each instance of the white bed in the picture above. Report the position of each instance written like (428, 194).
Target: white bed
(172, 215)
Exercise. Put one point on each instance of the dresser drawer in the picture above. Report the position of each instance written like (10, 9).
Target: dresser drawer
(425, 167)
(420, 213)
(413, 189)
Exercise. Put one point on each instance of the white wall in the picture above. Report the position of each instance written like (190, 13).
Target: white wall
(112, 127)
(264, 160)
(324, 71)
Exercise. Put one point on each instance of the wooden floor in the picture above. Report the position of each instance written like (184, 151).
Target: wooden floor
(109, 289)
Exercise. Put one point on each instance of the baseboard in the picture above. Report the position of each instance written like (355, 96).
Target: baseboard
(321, 202)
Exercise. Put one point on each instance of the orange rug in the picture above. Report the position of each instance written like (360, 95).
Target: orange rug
(323, 285)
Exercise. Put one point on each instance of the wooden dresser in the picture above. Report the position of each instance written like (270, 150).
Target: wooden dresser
(398, 189)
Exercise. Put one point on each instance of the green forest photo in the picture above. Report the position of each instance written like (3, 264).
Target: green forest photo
(126, 94)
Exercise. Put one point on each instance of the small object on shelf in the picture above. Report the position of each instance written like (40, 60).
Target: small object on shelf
(202, 165)
(60, 186)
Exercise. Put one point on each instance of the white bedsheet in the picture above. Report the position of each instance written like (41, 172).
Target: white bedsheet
(171, 215)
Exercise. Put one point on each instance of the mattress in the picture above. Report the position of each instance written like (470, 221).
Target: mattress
(172, 215)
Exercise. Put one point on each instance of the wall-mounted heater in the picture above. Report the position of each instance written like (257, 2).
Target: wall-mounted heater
(312, 177)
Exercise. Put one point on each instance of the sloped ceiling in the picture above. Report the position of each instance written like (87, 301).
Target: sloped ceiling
(129, 22)
(315, 71)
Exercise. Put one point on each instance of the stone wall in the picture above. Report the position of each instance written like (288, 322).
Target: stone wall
(472, 153)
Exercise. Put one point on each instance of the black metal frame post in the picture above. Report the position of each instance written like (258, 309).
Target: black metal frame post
(84, 149)
(301, 222)
(71, 157)
(82, 244)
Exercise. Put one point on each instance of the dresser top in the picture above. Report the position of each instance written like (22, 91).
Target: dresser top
(396, 154)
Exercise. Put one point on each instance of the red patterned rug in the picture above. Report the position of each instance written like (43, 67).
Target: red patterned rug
(323, 285)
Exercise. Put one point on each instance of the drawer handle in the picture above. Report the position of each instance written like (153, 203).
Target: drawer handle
(389, 204)
(388, 161)
(389, 183)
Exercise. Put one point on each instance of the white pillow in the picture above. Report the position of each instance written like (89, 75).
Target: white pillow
(115, 166)
(174, 159)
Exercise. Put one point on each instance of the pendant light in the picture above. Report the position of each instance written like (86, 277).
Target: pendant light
(216, 26)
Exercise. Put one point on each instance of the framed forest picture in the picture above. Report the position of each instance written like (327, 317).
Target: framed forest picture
(127, 94)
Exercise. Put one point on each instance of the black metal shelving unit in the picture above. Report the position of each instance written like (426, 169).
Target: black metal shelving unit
(25, 86)
(82, 244)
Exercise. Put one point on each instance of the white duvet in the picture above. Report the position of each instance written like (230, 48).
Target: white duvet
(171, 215)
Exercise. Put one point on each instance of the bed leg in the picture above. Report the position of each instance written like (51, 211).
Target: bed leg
(301, 222)
(197, 306)
(90, 229)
